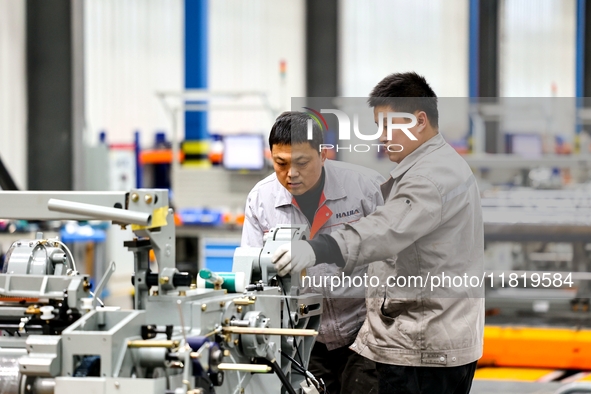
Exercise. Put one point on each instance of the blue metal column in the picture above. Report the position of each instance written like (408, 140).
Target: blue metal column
(580, 49)
(474, 49)
(473, 62)
(196, 144)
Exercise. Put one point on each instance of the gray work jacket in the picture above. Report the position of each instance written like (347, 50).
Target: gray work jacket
(350, 193)
(430, 227)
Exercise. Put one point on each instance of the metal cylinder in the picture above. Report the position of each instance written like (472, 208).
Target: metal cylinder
(152, 357)
(254, 368)
(271, 331)
(44, 386)
(153, 343)
(9, 375)
(99, 212)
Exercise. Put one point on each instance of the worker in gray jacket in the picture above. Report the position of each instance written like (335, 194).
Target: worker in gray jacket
(424, 328)
(327, 195)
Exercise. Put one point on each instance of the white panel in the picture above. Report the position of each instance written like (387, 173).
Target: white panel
(248, 39)
(380, 37)
(537, 48)
(13, 113)
(133, 49)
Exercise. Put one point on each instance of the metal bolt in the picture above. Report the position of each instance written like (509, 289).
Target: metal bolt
(239, 309)
(203, 307)
(155, 293)
(236, 342)
(254, 298)
(226, 353)
(164, 280)
(148, 198)
(182, 293)
(222, 304)
(304, 309)
(227, 321)
(135, 197)
(193, 286)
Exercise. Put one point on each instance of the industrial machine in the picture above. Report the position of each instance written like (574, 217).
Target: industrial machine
(538, 331)
(245, 331)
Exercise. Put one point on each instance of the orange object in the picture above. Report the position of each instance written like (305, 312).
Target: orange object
(158, 156)
(513, 374)
(227, 217)
(240, 219)
(178, 221)
(18, 300)
(536, 347)
(215, 157)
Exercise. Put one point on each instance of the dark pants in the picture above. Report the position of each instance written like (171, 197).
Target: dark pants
(343, 370)
(395, 379)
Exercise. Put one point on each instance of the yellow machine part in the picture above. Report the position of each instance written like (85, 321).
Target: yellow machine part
(158, 219)
(532, 347)
(513, 374)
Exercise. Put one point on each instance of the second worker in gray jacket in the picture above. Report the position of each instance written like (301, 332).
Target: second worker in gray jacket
(424, 327)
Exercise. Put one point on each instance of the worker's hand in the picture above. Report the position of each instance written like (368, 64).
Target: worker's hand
(293, 257)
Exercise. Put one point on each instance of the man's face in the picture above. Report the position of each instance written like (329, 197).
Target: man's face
(298, 167)
(393, 146)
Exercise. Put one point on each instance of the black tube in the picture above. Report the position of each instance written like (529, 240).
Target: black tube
(182, 279)
(282, 377)
(294, 362)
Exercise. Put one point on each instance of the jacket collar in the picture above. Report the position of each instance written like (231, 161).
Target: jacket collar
(406, 164)
(333, 187)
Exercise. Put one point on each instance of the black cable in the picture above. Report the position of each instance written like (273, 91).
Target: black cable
(295, 341)
(299, 366)
(282, 377)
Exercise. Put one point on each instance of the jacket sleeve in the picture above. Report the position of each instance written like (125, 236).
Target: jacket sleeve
(252, 232)
(413, 212)
(373, 195)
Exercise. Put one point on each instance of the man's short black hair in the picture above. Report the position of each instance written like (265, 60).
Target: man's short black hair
(406, 92)
(292, 128)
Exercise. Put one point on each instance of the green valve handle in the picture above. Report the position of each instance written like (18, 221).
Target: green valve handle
(233, 282)
(211, 277)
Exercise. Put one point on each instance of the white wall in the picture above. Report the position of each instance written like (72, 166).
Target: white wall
(537, 48)
(379, 37)
(133, 49)
(248, 39)
(13, 112)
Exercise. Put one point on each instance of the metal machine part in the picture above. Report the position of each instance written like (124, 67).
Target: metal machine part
(9, 375)
(178, 339)
(42, 292)
(38, 257)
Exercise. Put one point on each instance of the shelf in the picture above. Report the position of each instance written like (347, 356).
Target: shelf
(514, 161)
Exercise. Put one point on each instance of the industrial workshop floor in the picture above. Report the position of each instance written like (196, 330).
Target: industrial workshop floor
(496, 387)
(493, 380)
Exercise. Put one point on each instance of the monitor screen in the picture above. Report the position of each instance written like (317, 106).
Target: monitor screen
(526, 145)
(244, 152)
